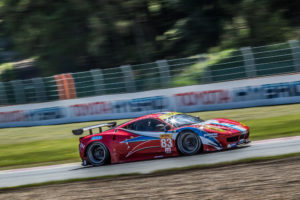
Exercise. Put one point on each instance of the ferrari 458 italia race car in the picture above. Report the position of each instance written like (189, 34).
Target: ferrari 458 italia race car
(159, 135)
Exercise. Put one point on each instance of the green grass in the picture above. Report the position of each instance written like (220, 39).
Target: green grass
(281, 126)
(44, 145)
(39, 151)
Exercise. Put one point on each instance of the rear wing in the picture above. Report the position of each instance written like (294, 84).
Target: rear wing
(89, 128)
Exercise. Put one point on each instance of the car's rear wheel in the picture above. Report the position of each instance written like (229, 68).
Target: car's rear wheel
(97, 154)
(188, 143)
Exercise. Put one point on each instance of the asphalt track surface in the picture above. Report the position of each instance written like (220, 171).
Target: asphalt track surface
(271, 147)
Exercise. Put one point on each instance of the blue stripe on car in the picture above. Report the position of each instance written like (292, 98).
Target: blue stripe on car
(139, 139)
(242, 130)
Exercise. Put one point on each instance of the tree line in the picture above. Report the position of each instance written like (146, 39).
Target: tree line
(77, 35)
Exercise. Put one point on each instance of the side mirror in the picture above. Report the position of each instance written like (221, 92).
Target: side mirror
(167, 128)
(162, 127)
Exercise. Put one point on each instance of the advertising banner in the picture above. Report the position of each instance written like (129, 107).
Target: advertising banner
(218, 96)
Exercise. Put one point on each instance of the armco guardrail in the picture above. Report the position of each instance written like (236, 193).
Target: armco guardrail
(201, 69)
(216, 96)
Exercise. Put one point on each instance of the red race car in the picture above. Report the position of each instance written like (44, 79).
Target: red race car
(159, 135)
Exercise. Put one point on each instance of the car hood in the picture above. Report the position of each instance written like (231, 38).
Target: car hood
(221, 126)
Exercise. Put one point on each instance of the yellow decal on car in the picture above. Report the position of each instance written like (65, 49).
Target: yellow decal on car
(167, 115)
(214, 128)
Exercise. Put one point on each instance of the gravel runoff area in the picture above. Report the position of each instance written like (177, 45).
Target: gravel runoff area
(276, 179)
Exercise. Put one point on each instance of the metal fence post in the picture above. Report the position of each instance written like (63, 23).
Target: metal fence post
(18, 88)
(98, 81)
(249, 61)
(3, 96)
(207, 74)
(295, 47)
(128, 78)
(164, 72)
(39, 87)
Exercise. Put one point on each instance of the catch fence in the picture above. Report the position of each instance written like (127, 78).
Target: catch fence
(247, 62)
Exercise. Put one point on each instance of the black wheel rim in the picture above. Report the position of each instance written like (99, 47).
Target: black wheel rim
(97, 154)
(189, 143)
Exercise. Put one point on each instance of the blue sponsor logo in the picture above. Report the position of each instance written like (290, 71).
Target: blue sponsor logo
(96, 138)
(267, 91)
(141, 104)
(45, 114)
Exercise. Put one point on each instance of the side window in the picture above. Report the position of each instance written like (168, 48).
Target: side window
(148, 125)
(131, 126)
(155, 126)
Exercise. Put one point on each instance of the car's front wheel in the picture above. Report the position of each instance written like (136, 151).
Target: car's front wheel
(188, 143)
(97, 154)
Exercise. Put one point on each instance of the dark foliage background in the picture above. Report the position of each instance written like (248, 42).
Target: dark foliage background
(77, 35)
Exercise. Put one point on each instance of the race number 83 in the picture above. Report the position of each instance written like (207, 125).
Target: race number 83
(166, 141)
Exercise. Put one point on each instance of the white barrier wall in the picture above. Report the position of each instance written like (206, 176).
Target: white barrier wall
(234, 94)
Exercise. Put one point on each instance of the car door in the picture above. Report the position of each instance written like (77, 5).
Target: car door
(144, 138)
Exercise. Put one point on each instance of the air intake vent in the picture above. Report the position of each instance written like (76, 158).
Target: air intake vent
(233, 139)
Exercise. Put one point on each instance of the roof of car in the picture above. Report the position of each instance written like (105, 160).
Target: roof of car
(161, 115)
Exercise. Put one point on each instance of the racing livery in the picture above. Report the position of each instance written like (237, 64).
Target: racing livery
(159, 135)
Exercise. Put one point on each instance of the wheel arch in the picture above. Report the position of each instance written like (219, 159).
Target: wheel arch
(93, 141)
(198, 132)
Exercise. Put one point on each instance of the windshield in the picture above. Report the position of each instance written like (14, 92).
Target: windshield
(182, 119)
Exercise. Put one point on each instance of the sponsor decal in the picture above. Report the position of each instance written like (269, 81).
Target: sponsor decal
(202, 98)
(32, 115)
(211, 135)
(121, 106)
(166, 141)
(95, 108)
(12, 116)
(168, 150)
(140, 104)
(96, 138)
(267, 91)
(45, 114)
(165, 136)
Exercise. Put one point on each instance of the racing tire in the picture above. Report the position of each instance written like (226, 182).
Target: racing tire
(188, 143)
(97, 154)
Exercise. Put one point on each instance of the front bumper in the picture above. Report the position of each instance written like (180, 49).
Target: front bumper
(240, 143)
(243, 143)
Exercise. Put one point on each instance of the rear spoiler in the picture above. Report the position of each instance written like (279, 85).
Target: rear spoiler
(81, 130)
